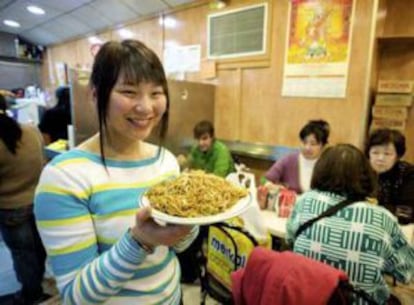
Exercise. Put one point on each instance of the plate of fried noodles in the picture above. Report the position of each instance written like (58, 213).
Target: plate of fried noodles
(195, 198)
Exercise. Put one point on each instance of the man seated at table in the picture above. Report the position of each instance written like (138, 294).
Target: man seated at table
(212, 156)
(208, 154)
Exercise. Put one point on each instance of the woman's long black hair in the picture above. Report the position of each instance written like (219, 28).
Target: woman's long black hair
(10, 131)
(136, 63)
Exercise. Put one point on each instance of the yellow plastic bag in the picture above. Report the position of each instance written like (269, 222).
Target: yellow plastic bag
(222, 256)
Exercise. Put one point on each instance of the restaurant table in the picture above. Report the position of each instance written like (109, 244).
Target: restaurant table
(277, 226)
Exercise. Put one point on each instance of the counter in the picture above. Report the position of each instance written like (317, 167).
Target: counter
(258, 151)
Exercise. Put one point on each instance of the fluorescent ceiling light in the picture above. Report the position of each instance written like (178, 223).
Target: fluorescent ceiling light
(124, 33)
(94, 40)
(11, 23)
(35, 10)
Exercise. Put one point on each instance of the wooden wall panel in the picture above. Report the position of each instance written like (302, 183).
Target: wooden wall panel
(190, 28)
(84, 57)
(397, 62)
(45, 75)
(396, 54)
(400, 18)
(227, 105)
(409, 134)
(148, 31)
(280, 119)
(249, 106)
(381, 17)
(65, 53)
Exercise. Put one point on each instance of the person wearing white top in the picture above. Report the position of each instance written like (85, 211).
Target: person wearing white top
(294, 171)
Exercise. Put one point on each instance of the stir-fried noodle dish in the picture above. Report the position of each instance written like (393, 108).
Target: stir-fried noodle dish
(195, 194)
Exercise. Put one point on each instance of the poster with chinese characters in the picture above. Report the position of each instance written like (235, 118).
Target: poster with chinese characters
(318, 48)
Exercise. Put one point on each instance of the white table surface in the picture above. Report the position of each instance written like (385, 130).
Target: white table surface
(277, 226)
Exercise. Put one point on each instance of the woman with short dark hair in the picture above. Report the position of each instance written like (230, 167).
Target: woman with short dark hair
(294, 171)
(356, 236)
(385, 148)
(55, 121)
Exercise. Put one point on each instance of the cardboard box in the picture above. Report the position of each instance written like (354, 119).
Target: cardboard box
(396, 86)
(389, 112)
(387, 123)
(404, 100)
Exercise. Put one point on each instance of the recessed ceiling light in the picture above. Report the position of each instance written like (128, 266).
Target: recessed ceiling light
(35, 10)
(11, 23)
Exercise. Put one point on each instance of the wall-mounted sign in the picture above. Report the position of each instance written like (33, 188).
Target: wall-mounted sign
(178, 59)
(318, 48)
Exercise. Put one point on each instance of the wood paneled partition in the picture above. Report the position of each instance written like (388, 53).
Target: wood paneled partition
(249, 105)
(395, 53)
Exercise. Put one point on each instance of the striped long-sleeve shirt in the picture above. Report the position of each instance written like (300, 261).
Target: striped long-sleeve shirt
(83, 213)
(362, 239)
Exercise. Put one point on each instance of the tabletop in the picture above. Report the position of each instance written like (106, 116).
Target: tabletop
(277, 226)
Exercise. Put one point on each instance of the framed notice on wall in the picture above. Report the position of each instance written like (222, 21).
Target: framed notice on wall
(318, 48)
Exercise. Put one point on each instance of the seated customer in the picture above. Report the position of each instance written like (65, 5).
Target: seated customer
(385, 148)
(294, 171)
(209, 154)
(55, 121)
(212, 156)
(360, 238)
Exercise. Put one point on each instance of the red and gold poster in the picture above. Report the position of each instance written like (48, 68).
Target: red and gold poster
(318, 48)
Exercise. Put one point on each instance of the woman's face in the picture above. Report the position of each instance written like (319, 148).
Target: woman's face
(311, 149)
(134, 110)
(382, 157)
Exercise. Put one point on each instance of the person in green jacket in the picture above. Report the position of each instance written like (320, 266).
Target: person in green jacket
(210, 154)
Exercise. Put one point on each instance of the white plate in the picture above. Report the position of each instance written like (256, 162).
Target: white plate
(234, 211)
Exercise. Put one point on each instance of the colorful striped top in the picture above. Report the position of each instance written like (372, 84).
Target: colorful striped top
(83, 213)
(362, 239)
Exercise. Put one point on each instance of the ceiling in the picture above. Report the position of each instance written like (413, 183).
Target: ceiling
(65, 19)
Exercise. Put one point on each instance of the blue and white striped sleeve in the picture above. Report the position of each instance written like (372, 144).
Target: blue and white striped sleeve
(186, 241)
(67, 231)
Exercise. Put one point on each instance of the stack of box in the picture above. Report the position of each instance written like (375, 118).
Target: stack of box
(393, 100)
